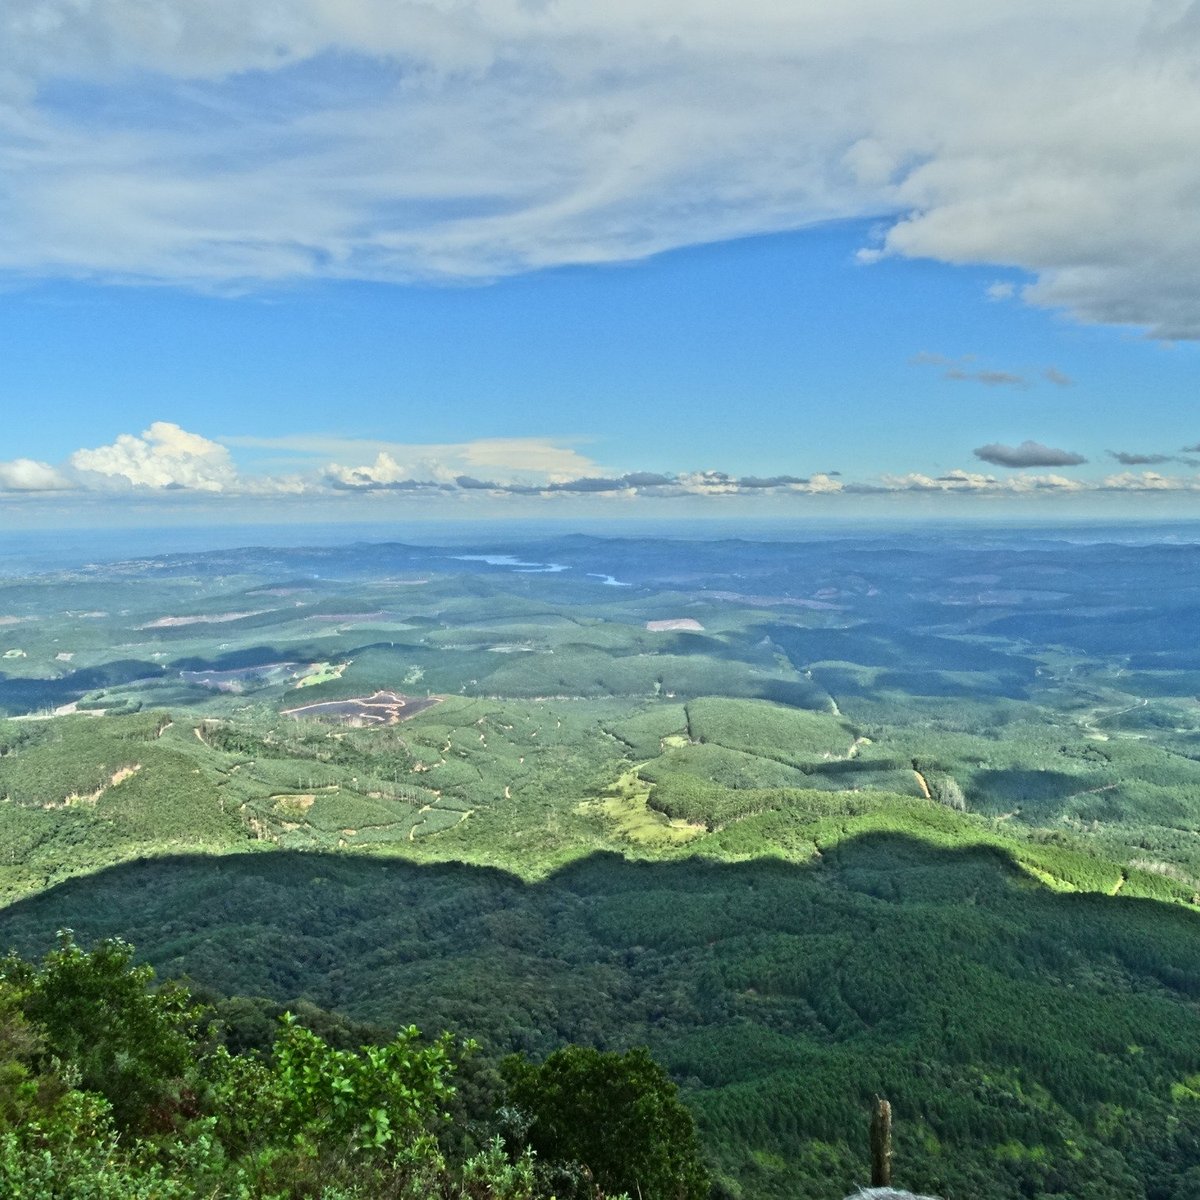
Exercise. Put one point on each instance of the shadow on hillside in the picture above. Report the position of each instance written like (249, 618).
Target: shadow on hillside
(606, 949)
(22, 694)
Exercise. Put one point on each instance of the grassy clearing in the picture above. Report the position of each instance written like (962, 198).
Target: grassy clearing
(630, 819)
(321, 672)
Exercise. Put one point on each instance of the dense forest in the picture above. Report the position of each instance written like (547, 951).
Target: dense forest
(1033, 1043)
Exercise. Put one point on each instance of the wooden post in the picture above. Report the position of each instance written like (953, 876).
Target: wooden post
(881, 1143)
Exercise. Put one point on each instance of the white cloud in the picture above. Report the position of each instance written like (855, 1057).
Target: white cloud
(388, 474)
(821, 484)
(967, 481)
(529, 456)
(914, 481)
(529, 461)
(384, 472)
(167, 461)
(27, 475)
(707, 483)
(959, 480)
(1149, 481)
(215, 142)
(164, 456)
(1050, 483)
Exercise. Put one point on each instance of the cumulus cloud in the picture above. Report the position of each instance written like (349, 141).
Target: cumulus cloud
(1149, 481)
(169, 460)
(917, 481)
(219, 143)
(1027, 454)
(385, 473)
(707, 483)
(721, 484)
(163, 456)
(28, 475)
(166, 457)
(522, 460)
(821, 484)
(968, 480)
(960, 481)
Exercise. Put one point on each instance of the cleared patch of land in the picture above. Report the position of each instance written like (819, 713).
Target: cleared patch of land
(321, 672)
(203, 619)
(631, 819)
(238, 679)
(382, 708)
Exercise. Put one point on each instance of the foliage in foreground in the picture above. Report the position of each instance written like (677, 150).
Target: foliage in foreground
(618, 1113)
(111, 1089)
(1034, 1043)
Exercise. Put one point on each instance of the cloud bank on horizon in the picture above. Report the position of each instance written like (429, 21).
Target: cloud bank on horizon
(168, 460)
(224, 145)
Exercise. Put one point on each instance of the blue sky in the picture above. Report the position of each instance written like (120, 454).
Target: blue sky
(342, 265)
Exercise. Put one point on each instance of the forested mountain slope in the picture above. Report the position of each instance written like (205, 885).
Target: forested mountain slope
(1032, 1042)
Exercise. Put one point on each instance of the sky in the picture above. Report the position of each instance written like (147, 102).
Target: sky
(376, 258)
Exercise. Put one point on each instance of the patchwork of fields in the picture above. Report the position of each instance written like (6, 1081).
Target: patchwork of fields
(434, 703)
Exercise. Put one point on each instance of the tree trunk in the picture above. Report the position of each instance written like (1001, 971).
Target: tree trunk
(881, 1143)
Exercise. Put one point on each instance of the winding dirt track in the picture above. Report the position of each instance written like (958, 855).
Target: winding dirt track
(382, 708)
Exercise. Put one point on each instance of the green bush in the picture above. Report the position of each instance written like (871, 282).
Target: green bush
(96, 1014)
(618, 1115)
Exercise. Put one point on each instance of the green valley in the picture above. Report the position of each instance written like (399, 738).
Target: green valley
(813, 821)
